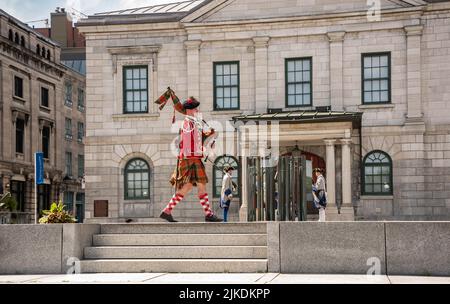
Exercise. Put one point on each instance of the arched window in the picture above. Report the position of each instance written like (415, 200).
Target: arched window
(22, 41)
(38, 49)
(16, 38)
(11, 35)
(377, 174)
(220, 164)
(48, 54)
(137, 180)
(43, 52)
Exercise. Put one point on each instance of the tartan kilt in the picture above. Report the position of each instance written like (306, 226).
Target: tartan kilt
(190, 171)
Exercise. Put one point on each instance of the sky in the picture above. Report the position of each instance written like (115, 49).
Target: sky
(31, 10)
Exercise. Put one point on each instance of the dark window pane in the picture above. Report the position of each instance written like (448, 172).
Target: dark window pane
(46, 142)
(20, 135)
(299, 82)
(137, 180)
(226, 88)
(135, 89)
(44, 97)
(18, 87)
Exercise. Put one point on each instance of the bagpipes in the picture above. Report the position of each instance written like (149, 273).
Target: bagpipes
(178, 107)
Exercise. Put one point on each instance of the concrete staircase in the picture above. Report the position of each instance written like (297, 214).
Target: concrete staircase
(178, 248)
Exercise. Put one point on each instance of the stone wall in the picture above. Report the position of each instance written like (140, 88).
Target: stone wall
(392, 248)
(43, 249)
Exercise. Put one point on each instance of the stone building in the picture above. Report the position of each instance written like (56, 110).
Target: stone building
(359, 91)
(41, 106)
(73, 57)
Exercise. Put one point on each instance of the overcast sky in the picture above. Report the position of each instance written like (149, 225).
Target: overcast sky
(31, 10)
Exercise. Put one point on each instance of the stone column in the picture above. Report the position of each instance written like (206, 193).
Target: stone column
(345, 212)
(346, 173)
(336, 70)
(331, 173)
(261, 77)
(193, 67)
(243, 212)
(413, 76)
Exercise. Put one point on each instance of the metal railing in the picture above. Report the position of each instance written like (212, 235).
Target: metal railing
(288, 179)
(15, 217)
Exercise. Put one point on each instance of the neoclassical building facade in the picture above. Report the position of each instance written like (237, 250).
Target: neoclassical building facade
(42, 105)
(362, 93)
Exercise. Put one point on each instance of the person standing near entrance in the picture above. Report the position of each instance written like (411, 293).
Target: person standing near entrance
(190, 171)
(226, 195)
(320, 194)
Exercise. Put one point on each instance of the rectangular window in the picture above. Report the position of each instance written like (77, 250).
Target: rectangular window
(135, 80)
(18, 87)
(46, 142)
(68, 95)
(20, 135)
(80, 199)
(80, 132)
(69, 163)
(80, 165)
(69, 129)
(44, 97)
(226, 86)
(298, 82)
(68, 201)
(376, 78)
(18, 192)
(81, 100)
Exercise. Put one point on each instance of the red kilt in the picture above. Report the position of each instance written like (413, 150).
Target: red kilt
(190, 171)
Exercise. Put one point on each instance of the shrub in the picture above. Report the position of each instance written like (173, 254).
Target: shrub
(8, 203)
(56, 215)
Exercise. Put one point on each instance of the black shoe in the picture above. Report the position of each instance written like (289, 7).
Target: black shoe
(213, 219)
(168, 217)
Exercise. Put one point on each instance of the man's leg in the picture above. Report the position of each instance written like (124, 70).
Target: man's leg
(225, 214)
(176, 199)
(204, 201)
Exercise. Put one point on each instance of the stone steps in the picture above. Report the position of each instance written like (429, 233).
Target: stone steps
(180, 240)
(185, 228)
(176, 252)
(178, 248)
(174, 266)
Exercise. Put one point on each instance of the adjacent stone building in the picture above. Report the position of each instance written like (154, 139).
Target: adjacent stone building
(41, 106)
(359, 91)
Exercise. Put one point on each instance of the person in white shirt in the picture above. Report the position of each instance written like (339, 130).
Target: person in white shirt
(320, 194)
(226, 195)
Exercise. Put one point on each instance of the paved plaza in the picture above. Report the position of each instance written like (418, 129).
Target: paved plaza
(249, 278)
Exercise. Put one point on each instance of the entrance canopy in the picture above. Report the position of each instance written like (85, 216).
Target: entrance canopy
(310, 127)
(313, 116)
(260, 133)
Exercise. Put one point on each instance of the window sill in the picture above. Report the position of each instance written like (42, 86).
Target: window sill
(377, 106)
(19, 99)
(135, 117)
(45, 109)
(377, 197)
(226, 112)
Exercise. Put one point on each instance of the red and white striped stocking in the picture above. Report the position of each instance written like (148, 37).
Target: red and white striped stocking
(176, 199)
(204, 201)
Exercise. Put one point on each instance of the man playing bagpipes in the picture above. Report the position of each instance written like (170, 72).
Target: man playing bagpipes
(190, 171)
